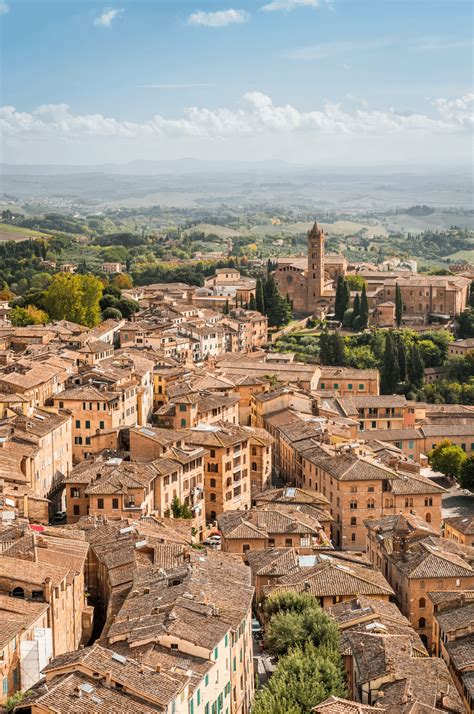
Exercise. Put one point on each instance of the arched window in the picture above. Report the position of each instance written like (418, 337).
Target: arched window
(254, 466)
(386, 503)
(18, 592)
(421, 623)
(353, 504)
(422, 602)
(407, 503)
(428, 518)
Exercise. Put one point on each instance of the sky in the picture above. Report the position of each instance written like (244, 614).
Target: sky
(320, 82)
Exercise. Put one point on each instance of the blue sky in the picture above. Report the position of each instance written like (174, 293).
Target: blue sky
(299, 80)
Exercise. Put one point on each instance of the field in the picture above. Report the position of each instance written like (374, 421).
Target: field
(467, 255)
(220, 231)
(17, 233)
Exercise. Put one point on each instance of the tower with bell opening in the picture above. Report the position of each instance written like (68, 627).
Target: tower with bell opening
(315, 274)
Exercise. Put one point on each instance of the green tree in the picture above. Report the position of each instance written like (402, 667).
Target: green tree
(288, 601)
(338, 350)
(390, 373)
(75, 298)
(111, 313)
(466, 477)
(277, 308)
(303, 678)
(252, 303)
(226, 307)
(356, 307)
(180, 510)
(401, 357)
(355, 282)
(364, 310)
(289, 629)
(466, 324)
(31, 315)
(342, 298)
(326, 356)
(447, 458)
(259, 296)
(398, 305)
(416, 367)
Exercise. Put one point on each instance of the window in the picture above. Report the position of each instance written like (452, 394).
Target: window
(102, 425)
(182, 407)
(183, 422)
(410, 443)
(271, 542)
(88, 440)
(115, 503)
(353, 521)
(353, 504)
(75, 493)
(422, 602)
(213, 453)
(100, 503)
(336, 385)
(421, 622)
(361, 387)
(322, 385)
(353, 537)
(216, 653)
(288, 542)
(213, 482)
(370, 503)
(78, 439)
(428, 501)
(428, 518)
(88, 424)
(212, 497)
(76, 510)
(254, 466)
(78, 423)
(463, 447)
(245, 548)
(349, 386)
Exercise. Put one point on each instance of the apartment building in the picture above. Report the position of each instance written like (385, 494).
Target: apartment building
(226, 465)
(417, 563)
(94, 411)
(25, 643)
(453, 638)
(50, 570)
(99, 677)
(459, 529)
(205, 618)
(258, 529)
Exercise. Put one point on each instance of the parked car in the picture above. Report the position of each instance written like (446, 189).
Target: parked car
(257, 631)
(213, 541)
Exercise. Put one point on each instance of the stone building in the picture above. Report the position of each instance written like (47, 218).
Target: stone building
(310, 284)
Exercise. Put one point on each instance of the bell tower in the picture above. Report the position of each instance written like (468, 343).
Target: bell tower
(315, 274)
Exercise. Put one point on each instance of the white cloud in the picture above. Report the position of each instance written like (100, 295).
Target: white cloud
(437, 44)
(106, 18)
(257, 115)
(4, 8)
(179, 85)
(288, 5)
(335, 49)
(221, 18)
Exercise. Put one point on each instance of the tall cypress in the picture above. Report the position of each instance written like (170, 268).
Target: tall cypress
(338, 350)
(252, 302)
(390, 376)
(226, 307)
(356, 307)
(398, 305)
(342, 298)
(325, 348)
(402, 358)
(364, 309)
(416, 367)
(259, 297)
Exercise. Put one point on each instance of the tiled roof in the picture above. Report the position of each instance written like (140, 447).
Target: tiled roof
(463, 524)
(332, 578)
(335, 705)
(461, 651)
(348, 466)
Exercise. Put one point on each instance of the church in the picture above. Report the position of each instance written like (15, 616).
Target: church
(310, 284)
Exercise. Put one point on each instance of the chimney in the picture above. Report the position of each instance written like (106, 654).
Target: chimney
(108, 679)
(77, 692)
(158, 668)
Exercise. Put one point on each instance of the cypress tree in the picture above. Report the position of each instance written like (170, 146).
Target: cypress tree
(390, 370)
(364, 309)
(356, 307)
(342, 298)
(338, 350)
(416, 368)
(402, 358)
(325, 348)
(398, 305)
(259, 297)
(226, 307)
(252, 302)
